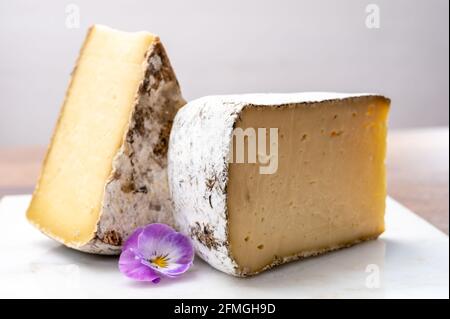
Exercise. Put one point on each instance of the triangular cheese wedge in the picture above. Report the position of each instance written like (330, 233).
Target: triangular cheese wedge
(258, 180)
(105, 170)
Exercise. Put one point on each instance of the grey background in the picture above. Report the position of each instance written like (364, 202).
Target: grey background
(235, 46)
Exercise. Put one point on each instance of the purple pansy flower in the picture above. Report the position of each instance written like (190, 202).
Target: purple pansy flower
(154, 251)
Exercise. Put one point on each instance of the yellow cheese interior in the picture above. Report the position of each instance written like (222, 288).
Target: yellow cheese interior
(329, 190)
(67, 200)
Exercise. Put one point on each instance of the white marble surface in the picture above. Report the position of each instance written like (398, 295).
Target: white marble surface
(411, 259)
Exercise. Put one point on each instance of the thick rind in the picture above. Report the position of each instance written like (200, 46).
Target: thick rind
(198, 170)
(137, 193)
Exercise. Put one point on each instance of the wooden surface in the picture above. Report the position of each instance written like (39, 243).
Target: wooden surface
(418, 171)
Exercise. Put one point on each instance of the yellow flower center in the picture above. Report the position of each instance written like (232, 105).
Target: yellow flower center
(160, 261)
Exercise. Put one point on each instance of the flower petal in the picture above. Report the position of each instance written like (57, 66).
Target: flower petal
(179, 254)
(130, 265)
(132, 241)
(151, 237)
(176, 270)
(181, 249)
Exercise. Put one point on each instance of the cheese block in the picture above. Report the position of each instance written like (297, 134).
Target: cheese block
(261, 180)
(105, 172)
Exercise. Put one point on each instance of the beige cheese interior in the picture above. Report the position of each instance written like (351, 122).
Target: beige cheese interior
(329, 189)
(67, 201)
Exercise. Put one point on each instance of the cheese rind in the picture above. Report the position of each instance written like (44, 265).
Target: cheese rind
(105, 170)
(242, 222)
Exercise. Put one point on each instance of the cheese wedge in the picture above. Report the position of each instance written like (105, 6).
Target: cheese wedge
(105, 172)
(260, 180)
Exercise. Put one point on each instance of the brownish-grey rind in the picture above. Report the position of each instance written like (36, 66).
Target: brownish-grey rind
(137, 193)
